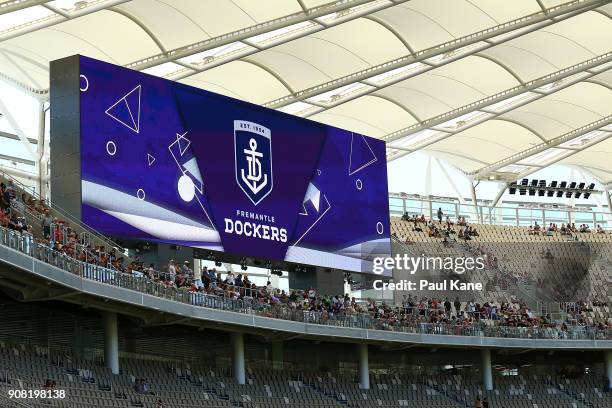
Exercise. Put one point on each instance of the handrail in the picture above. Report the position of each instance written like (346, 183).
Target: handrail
(499, 215)
(25, 244)
(523, 206)
(64, 213)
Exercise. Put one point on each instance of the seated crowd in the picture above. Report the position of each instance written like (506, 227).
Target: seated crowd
(444, 230)
(58, 236)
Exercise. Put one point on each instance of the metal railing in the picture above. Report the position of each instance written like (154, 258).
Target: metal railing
(58, 211)
(519, 216)
(25, 243)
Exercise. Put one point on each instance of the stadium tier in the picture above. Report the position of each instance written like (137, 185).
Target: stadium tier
(305, 203)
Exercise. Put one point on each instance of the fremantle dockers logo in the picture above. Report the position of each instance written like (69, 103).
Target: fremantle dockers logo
(253, 151)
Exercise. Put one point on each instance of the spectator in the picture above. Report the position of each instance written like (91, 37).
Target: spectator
(197, 278)
(45, 224)
(230, 278)
(5, 197)
(440, 214)
(186, 270)
(171, 271)
(212, 275)
(150, 271)
(4, 217)
(447, 306)
(457, 305)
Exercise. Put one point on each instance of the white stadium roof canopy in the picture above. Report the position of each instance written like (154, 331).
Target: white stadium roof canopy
(500, 89)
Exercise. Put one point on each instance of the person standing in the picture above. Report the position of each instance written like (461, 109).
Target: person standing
(197, 278)
(171, 271)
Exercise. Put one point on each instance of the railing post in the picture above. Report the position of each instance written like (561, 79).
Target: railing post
(518, 221)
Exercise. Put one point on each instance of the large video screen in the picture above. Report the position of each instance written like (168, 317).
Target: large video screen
(167, 162)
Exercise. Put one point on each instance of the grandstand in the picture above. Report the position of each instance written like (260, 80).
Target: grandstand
(178, 227)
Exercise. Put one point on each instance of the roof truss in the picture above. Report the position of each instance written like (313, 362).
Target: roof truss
(430, 131)
(16, 5)
(60, 16)
(598, 131)
(340, 7)
(331, 94)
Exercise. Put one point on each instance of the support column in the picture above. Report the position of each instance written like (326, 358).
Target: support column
(499, 195)
(608, 363)
(609, 200)
(277, 355)
(474, 203)
(40, 150)
(487, 370)
(111, 342)
(364, 371)
(238, 360)
(450, 182)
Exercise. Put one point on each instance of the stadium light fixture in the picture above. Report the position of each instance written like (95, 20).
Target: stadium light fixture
(564, 188)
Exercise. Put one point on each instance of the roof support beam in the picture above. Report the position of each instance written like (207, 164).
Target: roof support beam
(16, 5)
(574, 134)
(450, 181)
(15, 137)
(17, 173)
(589, 67)
(13, 123)
(61, 17)
(258, 47)
(242, 34)
(258, 29)
(17, 159)
(520, 26)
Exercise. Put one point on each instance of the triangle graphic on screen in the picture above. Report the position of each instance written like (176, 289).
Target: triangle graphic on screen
(183, 142)
(361, 155)
(127, 110)
(192, 167)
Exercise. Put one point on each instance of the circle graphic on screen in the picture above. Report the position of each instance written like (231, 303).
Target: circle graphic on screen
(186, 188)
(85, 81)
(111, 148)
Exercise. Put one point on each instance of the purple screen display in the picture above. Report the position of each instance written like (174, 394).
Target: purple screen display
(163, 161)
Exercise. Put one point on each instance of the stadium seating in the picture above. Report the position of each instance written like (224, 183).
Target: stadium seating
(518, 272)
(535, 268)
(187, 385)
